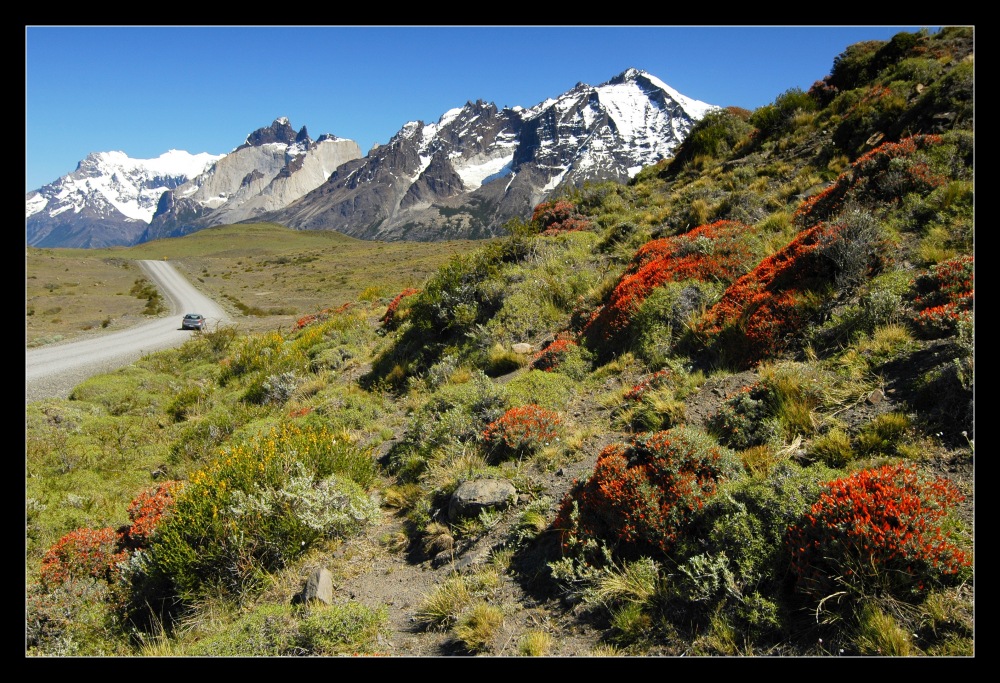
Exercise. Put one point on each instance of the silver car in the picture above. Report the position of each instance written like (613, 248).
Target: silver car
(193, 321)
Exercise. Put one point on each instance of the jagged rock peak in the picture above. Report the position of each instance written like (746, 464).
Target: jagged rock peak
(629, 74)
(280, 131)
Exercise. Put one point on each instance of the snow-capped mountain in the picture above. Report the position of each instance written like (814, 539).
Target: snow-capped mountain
(108, 200)
(272, 168)
(462, 177)
(477, 167)
(112, 200)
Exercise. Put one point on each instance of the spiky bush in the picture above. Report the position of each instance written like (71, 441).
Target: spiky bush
(878, 531)
(642, 494)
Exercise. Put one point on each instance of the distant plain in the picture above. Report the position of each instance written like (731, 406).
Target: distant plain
(265, 275)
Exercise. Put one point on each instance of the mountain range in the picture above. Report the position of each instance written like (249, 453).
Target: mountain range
(462, 177)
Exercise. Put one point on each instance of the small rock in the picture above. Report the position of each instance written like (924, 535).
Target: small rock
(319, 586)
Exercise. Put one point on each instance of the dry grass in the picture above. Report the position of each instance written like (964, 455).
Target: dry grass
(276, 273)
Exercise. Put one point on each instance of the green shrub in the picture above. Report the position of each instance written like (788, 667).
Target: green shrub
(746, 419)
(184, 401)
(733, 556)
(71, 620)
(772, 119)
(551, 390)
(261, 503)
(453, 415)
(662, 318)
(344, 629)
(652, 404)
(266, 631)
(257, 357)
(715, 135)
(946, 397)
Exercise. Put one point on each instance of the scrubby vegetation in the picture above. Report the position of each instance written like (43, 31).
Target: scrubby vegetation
(758, 358)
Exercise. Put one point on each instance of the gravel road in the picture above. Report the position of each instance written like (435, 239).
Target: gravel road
(53, 371)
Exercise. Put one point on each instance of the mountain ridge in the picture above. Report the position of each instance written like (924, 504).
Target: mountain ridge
(460, 177)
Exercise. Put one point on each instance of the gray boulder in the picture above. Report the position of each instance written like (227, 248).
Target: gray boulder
(472, 497)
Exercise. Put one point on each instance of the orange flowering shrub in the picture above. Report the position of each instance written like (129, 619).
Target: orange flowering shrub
(886, 173)
(559, 216)
(877, 528)
(325, 314)
(656, 380)
(642, 495)
(82, 553)
(552, 355)
(521, 431)
(759, 312)
(716, 251)
(389, 318)
(95, 553)
(146, 511)
(944, 296)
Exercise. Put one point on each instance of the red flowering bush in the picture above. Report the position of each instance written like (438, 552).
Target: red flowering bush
(522, 431)
(552, 355)
(886, 173)
(389, 318)
(944, 296)
(656, 380)
(877, 528)
(559, 216)
(764, 308)
(325, 314)
(642, 495)
(718, 251)
(146, 511)
(95, 553)
(82, 553)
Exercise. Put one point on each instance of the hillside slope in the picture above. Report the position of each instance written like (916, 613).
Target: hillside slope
(724, 409)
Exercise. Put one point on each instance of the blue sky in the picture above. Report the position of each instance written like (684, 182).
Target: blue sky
(147, 90)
